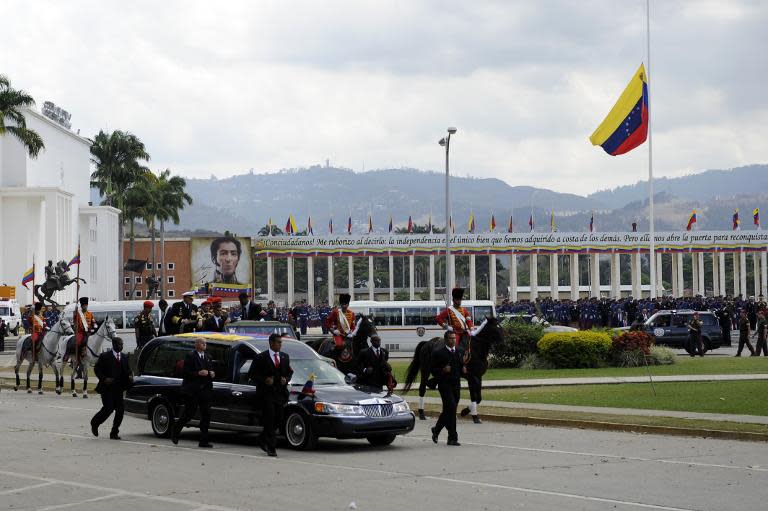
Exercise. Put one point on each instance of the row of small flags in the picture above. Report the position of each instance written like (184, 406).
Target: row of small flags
(29, 275)
(736, 221)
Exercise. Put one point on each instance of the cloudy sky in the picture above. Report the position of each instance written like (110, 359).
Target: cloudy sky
(223, 87)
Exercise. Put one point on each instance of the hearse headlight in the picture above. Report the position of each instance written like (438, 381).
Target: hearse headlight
(339, 409)
(401, 407)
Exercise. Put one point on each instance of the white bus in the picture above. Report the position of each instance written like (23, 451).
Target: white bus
(123, 313)
(402, 325)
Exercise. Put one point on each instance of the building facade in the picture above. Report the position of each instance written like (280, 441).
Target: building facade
(45, 210)
(177, 272)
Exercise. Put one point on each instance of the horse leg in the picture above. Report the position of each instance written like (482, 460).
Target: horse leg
(72, 382)
(475, 384)
(16, 370)
(56, 375)
(85, 381)
(29, 373)
(422, 392)
(40, 379)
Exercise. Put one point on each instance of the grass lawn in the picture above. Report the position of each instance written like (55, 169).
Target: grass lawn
(684, 365)
(733, 397)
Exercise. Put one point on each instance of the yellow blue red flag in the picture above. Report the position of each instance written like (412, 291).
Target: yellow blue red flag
(626, 125)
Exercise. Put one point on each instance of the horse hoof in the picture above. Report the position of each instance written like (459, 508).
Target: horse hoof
(29, 391)
(74, 394)
(58, 391)
(15, 389)
(85, 396)
(40, 392)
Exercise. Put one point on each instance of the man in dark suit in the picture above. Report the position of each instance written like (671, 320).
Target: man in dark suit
(447, 368)
(217, 319)
(163, 306)
(372, 364)
(271, 370)
(249, 309)
(114, 378)
(196, 391)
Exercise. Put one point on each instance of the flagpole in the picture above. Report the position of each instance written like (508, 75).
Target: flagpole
(650, 154)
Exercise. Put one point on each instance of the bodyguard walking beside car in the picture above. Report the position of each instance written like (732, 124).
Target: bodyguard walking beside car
(271, 370)
(114, 378)
(762, 326)
(447, 368)
(196, 391)
(744, 332)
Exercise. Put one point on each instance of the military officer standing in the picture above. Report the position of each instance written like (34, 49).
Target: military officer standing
(182, 316)
(144, 326)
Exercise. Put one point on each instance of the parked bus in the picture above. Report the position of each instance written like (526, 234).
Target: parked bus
(403, 324)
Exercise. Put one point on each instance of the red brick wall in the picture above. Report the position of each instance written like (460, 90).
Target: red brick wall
(177, 253)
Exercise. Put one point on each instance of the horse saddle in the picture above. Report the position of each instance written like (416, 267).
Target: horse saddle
(71, 346)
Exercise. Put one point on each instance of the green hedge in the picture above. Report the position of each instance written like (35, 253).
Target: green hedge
(575, 349)
(519, 341)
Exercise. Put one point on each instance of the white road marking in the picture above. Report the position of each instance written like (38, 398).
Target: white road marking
(560, 494)
(400, 474)
(115, 492)
(95, 499)
(24, 488)
(608, 456)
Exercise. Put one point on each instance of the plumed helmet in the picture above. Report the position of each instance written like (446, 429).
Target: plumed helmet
(457, 293)
(345, 298)
(84, 300)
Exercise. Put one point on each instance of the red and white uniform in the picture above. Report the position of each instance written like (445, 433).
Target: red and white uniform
(343, 322)
(458, 318)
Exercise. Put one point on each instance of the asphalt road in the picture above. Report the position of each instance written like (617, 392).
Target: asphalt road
(50, 461)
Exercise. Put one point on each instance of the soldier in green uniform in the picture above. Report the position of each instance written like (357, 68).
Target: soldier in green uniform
(744, 332)
(145, 328)
(762, 324)
(694, 336)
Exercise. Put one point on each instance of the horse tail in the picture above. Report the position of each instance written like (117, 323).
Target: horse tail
(413, 367)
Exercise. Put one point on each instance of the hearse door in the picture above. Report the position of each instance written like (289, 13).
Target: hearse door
(242, 396)
(222, 383)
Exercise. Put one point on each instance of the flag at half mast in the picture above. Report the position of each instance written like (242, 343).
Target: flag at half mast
(626, 125)
(756, 217)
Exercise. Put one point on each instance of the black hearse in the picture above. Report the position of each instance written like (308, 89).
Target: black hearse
(338, 408)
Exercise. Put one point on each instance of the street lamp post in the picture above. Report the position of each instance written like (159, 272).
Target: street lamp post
(446, 142)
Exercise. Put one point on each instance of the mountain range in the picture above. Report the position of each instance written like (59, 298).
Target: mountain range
(244, 203)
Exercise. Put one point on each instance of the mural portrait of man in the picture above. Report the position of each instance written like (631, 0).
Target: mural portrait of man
(225, 255)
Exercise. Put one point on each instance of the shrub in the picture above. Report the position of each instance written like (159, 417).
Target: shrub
(575, 349)
(536, 361)
(662, 356)
(519, 341)
(633, 341)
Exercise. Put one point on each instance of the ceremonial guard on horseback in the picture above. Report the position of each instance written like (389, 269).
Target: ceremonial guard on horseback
(350, 336)
(85, 325)
(38, 328)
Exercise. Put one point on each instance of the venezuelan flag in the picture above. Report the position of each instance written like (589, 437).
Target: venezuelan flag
(471, 223)
(691, 221)
(592, 223)
(330, 225)
(349, 225)
(290, 225)
(429, 225)
(309, 226)
(736, 221)
(390, 223)
(493, 222)
(410, 224)
(75, 260)
(530, 222)
(509, 227)
(29, 276)
(370, 224)
(626, 125)
(308, 389)
(756, 217)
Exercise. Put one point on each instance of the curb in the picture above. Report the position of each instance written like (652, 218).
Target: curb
(617, 426)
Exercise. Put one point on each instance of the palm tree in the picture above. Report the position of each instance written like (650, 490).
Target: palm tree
(118, 158)
(12, 102)
(135, 204)
(275, 231)
(169, 198)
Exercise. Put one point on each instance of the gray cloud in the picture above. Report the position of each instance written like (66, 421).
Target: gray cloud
(224, 88)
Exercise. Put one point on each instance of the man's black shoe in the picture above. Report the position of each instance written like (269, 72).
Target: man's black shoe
(263, 446)
(454, 443)
(174, 436)
(434, 434)
(94, 429)
(464, 412)
(476, 419)
(114, 436)
(272, 453)
(206, 445)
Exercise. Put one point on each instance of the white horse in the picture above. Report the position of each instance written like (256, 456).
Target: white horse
(105, 332)
(46, 356)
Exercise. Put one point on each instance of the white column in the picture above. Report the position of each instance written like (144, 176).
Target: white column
(574, 278)
(472, 278)
(351, 275)
(743, 273)
(554, 277)
(680, 275)
(594, 268)
(432, 276)
(291, 297)
(615, 276)
(513, 277)
(411, 274)
(311, 281)
(736, 279)
(534, 272)
(270, 278)
(721, 272)
(763, 275)
(659, 275)
(756, 274)
(492, 277)
(675, 286)
(702, 280)
(391, 278)
(715, 274)
(694, 274)
(453, 273)
(637, 276)
(330, 281)
(371, 282)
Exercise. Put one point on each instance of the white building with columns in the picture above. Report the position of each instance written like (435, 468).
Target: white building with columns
(44, 210)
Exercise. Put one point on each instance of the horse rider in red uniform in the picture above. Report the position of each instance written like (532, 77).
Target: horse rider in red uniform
(458, 320)
(37, 327)
(85, 325)
(341, 321)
